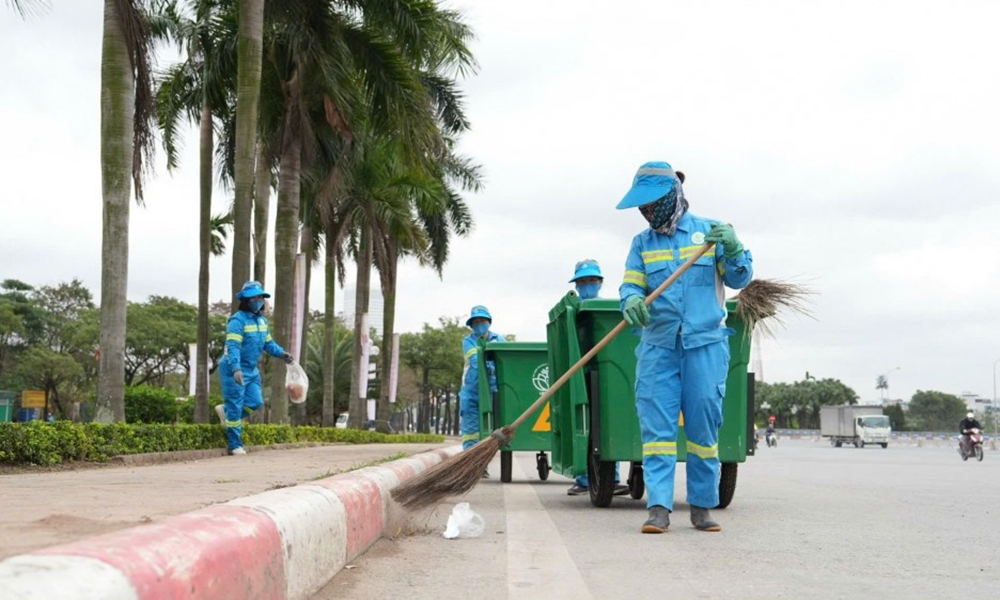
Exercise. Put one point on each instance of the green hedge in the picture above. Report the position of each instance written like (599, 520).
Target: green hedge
(52, 443)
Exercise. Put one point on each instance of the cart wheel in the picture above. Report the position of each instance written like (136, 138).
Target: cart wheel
(636, 483)
(543, 466)
(506, 464)
(727, 484)
(602, 480)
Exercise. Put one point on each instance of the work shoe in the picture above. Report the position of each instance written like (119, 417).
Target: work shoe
(486, 474)
(238, 451)
(659, 520)
(576, 490)
(620, 490)
(220, 409)
(702, 521)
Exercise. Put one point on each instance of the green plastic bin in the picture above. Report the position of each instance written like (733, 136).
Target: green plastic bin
(594, 419)
(522, 376)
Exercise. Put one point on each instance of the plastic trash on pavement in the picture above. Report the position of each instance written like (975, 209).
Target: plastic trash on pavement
(464, 523)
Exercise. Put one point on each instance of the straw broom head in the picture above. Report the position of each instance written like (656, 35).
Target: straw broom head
(762, 301)
(454, 476)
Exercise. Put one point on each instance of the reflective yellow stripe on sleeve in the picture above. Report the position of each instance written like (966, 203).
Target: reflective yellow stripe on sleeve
(635, 277)
(268, 338)
(234, 337)
(470, 353)
(651, 448)
(703, 451)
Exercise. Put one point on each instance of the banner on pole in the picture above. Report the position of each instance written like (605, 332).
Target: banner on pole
(298, 307)
(363, 363)
(193, 361)
(394, 368)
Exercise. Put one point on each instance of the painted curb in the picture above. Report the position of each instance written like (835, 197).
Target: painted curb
(285, 543)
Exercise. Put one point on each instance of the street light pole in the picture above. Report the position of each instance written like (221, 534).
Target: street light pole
(993, 407)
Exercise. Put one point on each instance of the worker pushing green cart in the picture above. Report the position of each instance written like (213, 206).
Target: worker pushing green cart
(593, 416)
(522, 375)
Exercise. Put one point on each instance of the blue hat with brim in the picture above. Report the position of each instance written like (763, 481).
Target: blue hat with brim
(477, 312)
(251, 289)
(652, 181)
(586, 268)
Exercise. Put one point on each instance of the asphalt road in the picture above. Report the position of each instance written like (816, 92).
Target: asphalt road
(808, 521)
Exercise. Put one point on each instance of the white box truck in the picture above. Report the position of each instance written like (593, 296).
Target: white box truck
(858, 425)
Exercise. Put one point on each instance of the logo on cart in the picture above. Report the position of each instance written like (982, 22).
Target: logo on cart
(540, 378)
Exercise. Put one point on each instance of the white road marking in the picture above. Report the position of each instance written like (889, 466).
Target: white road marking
(538, 562)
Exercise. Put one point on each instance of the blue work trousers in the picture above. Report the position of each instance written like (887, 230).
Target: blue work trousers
(240, 402)
(469, 407)
(670, 381)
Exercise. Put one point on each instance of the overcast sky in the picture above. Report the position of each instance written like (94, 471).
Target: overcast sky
(853, 146)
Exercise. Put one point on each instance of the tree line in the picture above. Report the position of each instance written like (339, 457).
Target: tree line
(349, 111)
(797, 405)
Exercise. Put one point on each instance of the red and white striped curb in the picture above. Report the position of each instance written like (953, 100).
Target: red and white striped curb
(286, 543)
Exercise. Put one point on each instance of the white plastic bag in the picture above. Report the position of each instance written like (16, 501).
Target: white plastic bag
(464, 523)
(296, 383)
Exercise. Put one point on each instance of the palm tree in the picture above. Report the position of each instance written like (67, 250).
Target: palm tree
(126, 143)
(339, 64)
(251, 47)
(202, 88)
(26, 7)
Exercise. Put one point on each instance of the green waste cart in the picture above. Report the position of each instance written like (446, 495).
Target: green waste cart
(522, 373)
(594, 420)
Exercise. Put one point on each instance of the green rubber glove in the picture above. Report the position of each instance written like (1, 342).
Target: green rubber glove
(636, 312)
(724, 234)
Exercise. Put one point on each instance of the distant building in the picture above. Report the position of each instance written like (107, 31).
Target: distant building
(376, 308)
(976, 403)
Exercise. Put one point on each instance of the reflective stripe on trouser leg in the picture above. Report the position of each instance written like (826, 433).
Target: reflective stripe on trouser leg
(703, 377)
(658, 403)
(470, 421)
(233, 394)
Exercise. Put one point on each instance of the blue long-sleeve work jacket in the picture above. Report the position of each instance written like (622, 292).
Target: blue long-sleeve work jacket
(247, 335)
(694, 305)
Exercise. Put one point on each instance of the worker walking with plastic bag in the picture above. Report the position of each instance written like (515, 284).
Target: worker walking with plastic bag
(588, 280)
(683, 356)
(479, 321)
(247, 335)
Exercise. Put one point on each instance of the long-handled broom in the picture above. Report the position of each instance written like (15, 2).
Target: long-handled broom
(462, 472)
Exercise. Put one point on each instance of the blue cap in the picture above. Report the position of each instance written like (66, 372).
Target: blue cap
(586, 268)
(479, 311)
(251, 289)
(653, 181)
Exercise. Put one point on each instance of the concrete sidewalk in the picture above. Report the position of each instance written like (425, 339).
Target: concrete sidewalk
(190, 530)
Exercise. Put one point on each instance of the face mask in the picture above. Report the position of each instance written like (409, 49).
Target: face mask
(256, 305)
(586, 291)
(658, 213)
(481, 329)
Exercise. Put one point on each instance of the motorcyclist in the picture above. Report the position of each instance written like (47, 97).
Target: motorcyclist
(769, 433)
(967, 425)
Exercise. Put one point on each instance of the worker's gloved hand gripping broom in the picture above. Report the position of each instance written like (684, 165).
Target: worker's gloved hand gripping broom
(462, 472)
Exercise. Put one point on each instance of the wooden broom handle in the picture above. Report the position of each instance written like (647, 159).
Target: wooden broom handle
(607, 339)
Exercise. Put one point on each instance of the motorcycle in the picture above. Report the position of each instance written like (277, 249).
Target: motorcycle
(971, 444)
(772, 439)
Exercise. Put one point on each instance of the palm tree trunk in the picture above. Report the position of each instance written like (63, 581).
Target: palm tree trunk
(261, 210)
(359, 405)
(250, 51)
(329, 322)
(205, 249)
(117, 127)
(388, 281)
(286, 241)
